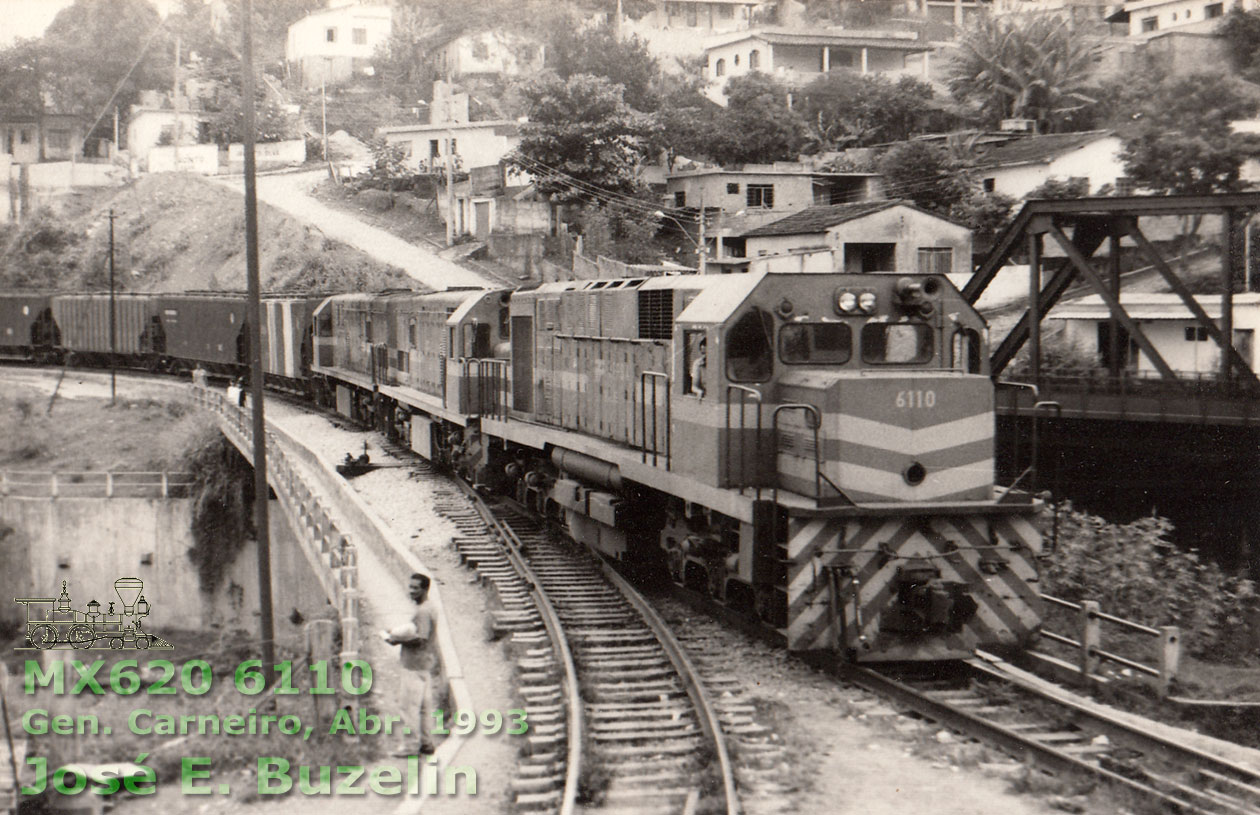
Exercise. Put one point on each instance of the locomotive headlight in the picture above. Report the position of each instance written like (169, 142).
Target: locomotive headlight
(866, 301)
(847, 302)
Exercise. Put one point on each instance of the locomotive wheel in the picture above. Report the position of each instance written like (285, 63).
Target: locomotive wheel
(116, 643)
(142, 642)
(81, 635)
(43, 636)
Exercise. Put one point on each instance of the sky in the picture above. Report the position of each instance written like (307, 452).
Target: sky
(29, 18)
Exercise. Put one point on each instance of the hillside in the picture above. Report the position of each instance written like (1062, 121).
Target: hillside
(178, 232)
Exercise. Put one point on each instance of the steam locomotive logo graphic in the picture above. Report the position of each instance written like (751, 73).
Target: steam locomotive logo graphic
(60, 626)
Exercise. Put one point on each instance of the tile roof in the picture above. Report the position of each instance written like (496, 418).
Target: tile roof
(897, 40)
(820, 219)
(1037, 149)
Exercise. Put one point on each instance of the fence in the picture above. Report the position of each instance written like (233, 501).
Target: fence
(1090, 654)
(29, 484)
(327, 547)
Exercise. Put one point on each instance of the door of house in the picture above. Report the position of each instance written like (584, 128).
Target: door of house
(481, 220)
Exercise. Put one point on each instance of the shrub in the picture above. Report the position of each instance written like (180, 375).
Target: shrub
(1134, 571)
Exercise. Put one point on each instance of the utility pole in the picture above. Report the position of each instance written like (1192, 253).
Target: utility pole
(323, 115)
(115, 131)
(113, 331)
(175, 101)
(702, 250)
(450, 166)
(617, 23)
(254, 327)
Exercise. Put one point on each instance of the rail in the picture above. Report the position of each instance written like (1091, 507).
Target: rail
(329, 549)
(744, 393)
(654, 377)
(110, 484)
(1090, 654)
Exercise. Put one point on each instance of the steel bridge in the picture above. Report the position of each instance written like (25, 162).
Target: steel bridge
(1080, 227)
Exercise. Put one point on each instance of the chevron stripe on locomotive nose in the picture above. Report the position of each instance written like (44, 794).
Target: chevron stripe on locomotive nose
(1008, 604)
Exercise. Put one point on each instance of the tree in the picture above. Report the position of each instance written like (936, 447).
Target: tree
(1180, 138)
(985, 214)
(757, 125)
(99, 55)
(21, 69)
(597, 51)
(685, 119)
(1008, 67)
(582, 128)
(925, 174)
(1054, 188)
(1241, 32)
(271, 122)
(852, 110)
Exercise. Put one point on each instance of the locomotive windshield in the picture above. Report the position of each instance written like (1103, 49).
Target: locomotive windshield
(815, 343)
(896, 343)
(749, 349)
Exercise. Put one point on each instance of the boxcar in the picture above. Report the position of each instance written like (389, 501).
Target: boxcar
(206, 329)
(83, 320)
(27, 327)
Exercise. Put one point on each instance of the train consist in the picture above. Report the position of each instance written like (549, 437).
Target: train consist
(813, 450)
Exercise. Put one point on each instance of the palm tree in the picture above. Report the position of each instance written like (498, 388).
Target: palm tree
(1031, 68)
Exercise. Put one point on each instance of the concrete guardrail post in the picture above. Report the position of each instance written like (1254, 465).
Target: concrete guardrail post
(1169, 657)
(1090, 639)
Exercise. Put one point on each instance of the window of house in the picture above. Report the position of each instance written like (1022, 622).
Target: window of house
(59, 139)
(435, 149)
(454, 147)
(719, 69)
(936, 260)
(24, 136)
(1214, 10)
(1150, 24)
(760, 195)
(481, 51)
(411, 332)
(330, 34)
(989, 184)
(732, 189)
(680, 199)
(359, 36)
(736, 59)
(1124, 185)
(693, 15)
(754, 60)
(1196, 333)
(726, 12)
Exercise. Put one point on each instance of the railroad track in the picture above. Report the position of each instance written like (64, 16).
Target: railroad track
(620, 718)
(1051, 730)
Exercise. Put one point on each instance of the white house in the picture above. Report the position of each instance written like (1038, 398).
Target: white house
(334, 44)
(1168, 324)
(1019, 166)
(784, 187)
(799, 56)
(487, 53)
(1147, 18)
(703, 16)
(149, 127)
(868, 236)
(470, 144)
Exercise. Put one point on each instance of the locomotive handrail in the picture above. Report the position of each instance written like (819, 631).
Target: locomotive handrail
(492, 401)
(744, 392)
(815, 425)
(655, 376)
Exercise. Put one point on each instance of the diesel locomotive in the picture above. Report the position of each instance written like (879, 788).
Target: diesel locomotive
(812, 450)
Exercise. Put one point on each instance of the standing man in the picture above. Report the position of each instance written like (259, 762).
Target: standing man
(419, 653)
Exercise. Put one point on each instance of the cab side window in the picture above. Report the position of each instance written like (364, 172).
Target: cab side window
(749, 348)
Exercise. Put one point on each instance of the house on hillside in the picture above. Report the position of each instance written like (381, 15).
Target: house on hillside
(337, 43)
(470, 144)
(703, 16)
(1147, 18)
(1168, 324)
(22, 135)
(487, 53)
(149, 127)
(1018, 166)
(868, 236)
(799, 56)
(782, 187)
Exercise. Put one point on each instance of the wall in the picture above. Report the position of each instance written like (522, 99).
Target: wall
(144, 129)
(791, 192)
(268, 154)
(906, 227)
(195, 158)
(317, 60)
(103, 539)
(20, 142)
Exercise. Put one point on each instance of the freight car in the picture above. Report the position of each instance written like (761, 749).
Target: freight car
(27, 328)
(812, 450)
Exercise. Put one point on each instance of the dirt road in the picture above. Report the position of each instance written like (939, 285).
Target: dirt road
(289, 192)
